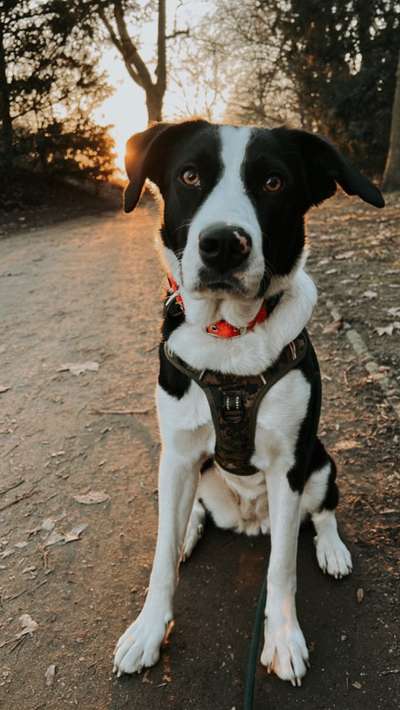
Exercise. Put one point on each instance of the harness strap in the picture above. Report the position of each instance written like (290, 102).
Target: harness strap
(234, 401)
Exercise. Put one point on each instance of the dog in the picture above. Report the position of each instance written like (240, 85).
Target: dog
(233, 241)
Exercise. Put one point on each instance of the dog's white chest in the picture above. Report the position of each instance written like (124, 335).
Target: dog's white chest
(187, 424)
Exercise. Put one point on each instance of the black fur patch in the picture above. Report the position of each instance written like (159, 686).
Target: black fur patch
(201, 151)
(320, 458)
(332, 492)
(307, 440)
(174, 382)
(280, 215)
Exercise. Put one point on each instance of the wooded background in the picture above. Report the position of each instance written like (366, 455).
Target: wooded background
(323, 66)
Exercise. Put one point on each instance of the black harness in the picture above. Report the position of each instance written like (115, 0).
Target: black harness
(234, 402)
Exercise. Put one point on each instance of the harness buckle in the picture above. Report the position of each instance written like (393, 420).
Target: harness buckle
(172, 307)
(232, 406)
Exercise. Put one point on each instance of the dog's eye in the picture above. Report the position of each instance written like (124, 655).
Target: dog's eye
(273, 183)
(190, 177)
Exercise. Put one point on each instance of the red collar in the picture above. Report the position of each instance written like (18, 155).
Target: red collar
(221, 328)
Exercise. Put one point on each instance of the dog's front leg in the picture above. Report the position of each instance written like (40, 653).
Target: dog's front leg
(139, 646)
(285, 651)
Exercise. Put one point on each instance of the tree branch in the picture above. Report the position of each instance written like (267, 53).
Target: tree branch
(110, 30)
(129, 51)
(176, 33)
(161, 71)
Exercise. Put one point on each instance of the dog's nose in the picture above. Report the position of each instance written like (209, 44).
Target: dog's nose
(224, 247)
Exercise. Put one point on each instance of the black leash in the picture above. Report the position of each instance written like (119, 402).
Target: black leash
(252, 659)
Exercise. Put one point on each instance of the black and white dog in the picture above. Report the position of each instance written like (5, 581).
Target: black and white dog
(232, 238)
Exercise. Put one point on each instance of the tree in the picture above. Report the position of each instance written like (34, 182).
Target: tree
(121, 22)
(128, 49)
(391, 178)
(343, 56)
(337, 62)
(6, 135)
(49, 85)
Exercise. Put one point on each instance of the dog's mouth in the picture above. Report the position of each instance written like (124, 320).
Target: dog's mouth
(231, 284)
(227, 283)
(221, 287)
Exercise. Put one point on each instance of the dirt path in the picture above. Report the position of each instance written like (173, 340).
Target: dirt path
(88, 292)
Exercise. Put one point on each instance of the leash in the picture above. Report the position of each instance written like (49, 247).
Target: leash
(252, 659)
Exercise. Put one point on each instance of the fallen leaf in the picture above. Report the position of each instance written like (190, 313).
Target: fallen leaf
(345, 255)
(28, 625)
(346, 445)
(3, 389)
(71, 536)
(394, 312)
(50, 674)
(360, 595)
(385, 329)
(370, 294)
(334, 327)
(48, 524)
(54, 538)
(92, 497)
(357, 685)
(78, 368)
(75, 533)
(388, 511)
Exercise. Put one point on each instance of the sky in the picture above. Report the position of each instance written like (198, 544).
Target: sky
(126, 108)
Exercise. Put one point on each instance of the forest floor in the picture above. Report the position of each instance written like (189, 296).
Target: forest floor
(80, 314)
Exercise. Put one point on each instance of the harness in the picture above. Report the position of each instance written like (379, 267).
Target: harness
(234, 401)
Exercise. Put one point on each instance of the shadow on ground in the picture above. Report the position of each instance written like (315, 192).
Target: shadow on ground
(203, 667)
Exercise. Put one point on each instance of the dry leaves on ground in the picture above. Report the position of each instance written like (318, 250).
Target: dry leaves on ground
(78, 368)
(92, 497)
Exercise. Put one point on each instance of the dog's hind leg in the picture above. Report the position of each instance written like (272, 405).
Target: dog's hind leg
(320, 498)
(195, 529)
(216, 498)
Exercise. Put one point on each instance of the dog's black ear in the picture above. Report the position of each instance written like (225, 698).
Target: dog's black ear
(139, 162)
(147, 155)
(325, 167)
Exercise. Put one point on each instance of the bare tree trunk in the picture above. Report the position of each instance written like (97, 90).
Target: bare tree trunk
(6, 131)
(391, 176)
(154, 102)
(134, 63)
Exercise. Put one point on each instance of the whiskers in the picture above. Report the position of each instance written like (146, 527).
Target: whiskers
(179, 252)
(269, 273)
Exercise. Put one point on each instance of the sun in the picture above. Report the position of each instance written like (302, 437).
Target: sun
(125, 110)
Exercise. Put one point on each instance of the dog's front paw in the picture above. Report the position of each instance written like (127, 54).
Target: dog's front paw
(139, 646)
(285, 652)
(332, 555)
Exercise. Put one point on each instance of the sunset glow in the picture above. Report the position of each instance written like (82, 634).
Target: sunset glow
(126, 110)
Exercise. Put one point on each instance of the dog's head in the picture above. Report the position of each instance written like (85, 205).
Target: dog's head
(235, 198)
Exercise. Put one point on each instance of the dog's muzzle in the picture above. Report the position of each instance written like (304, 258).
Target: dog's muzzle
(224, 248)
